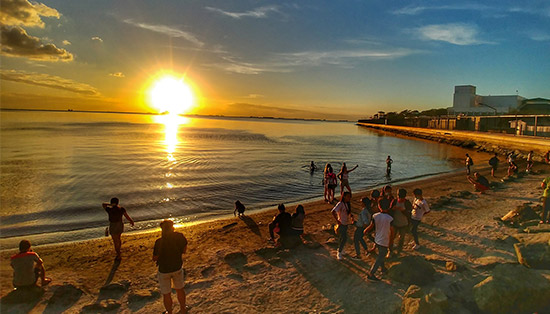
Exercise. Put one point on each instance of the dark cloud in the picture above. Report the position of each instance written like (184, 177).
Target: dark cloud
(50, 81)
(25, 13)
(17, 43)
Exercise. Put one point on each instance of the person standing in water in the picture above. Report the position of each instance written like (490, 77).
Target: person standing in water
(389, 161)
(116, 225)
(343, 175)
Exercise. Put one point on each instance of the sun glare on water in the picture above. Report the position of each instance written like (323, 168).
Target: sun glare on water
(171, 95)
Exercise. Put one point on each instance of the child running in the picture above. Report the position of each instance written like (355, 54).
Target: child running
(381, 223)
(420, 208)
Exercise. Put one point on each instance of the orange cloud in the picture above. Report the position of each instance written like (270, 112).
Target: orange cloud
(17, 43)
(24, 13)
(46, 80)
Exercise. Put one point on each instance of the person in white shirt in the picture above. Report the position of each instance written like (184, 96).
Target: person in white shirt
(381, 222)
(342, 213)
(420, 208)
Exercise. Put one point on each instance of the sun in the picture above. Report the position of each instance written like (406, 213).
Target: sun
(171, 95)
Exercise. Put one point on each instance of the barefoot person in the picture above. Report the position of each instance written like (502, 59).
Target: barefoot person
(400, 224)
(342, 213)
(363, 220)
(343, 175)
(480, 183)
(469, 163)
(529, 162)
(167, 253)
(493, 162)
(419, 209)
(116, 225)
(27, 267)
(545, 200)
(381, 223)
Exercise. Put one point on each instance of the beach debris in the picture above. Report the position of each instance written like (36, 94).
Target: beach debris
(64, 296)
(513, 289)
(416, 301)
(102, 306)
(534, 251)
(521, 214)
(235, 259)
(412, 270)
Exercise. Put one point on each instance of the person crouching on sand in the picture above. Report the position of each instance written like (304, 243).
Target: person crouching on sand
(419, 209)
(342, 213)
(28, 267)
(116, 225)
(239, 207)
(167, 253)
(381, 223)
(480, 183)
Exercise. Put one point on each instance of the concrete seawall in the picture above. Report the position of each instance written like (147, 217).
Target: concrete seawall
(489, 142)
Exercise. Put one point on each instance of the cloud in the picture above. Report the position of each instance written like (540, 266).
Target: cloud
(415, 10)
(258, 13)
(457, 34)
(538, 36)
(50, 81)
(66, 42)
(17, 43)
(98, 39)
(254, 96)
(117, 74)
(24, 13)
(167, 30)
(290, 62)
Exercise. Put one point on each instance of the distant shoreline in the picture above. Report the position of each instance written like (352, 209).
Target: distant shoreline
(184, 115)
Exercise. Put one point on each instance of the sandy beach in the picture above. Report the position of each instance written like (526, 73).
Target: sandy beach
(231, 268)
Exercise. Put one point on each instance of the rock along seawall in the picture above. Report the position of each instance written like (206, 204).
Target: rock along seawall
(481, 141)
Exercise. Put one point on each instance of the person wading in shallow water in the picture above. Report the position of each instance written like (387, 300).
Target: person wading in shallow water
(116, 225)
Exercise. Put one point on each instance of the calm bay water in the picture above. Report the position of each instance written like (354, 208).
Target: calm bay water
(58, 167)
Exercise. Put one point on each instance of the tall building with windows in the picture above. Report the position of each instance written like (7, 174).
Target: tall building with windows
(466, 101)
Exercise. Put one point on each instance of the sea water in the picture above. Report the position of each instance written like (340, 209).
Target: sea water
(58, 167)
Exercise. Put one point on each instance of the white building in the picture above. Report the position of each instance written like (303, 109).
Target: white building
(466, 101)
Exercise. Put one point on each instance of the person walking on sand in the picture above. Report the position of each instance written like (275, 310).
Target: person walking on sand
(342, 213)
(167, 253)
(381, 224)
(469, 163)
(363, 220)
(481, 184)
(419, 209)
(493, 162)
(343, 175)
(400, 224)
(512, 166)
(545, 201)
(529, 162)
(116, 225)
(389, 161)
(27, 267)
(239, 208)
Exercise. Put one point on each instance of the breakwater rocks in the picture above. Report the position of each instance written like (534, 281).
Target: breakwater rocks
(501, 144)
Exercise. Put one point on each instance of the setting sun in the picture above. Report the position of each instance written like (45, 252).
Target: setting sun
(171, 95)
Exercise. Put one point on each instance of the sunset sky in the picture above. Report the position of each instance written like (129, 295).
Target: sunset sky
(305, 59)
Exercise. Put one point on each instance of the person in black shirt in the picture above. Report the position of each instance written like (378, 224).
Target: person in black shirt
(167, 253)
(281, 224)
(116, 225)
(480, 183)
(493, 162)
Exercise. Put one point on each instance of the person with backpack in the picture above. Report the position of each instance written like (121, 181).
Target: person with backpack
(493, 162)
(469, 163)
(363, 220)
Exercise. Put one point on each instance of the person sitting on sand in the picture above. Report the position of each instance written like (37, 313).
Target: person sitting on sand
(389, 161)
(116, 225)
(545, 201)
(469, 163)
(529, 162)
(342, 213)
(239, 208)
(343, 175)
(167, 253)
(400, 224)
(281, 224)
(363, 220)
(493, 162)
(480, 183)
(419, 209)
(27, 267)
(297, 221)
(381, 223)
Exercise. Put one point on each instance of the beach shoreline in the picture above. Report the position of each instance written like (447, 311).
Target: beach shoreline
(282, 281)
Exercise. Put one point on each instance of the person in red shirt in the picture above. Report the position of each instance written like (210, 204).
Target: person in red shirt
(28, 267)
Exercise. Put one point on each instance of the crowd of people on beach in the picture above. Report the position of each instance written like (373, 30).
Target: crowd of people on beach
(383, 218)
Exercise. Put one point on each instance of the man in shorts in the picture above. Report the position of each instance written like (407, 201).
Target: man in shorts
(116, 224)
(167, 253)
(27, 267)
